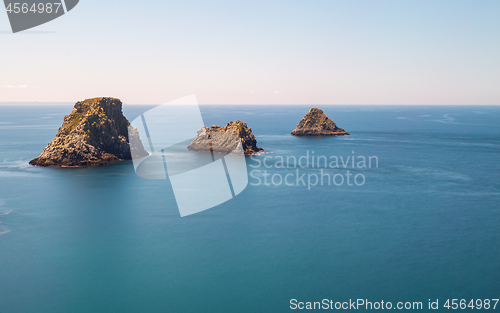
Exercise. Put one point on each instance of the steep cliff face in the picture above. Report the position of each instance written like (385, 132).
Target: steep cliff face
(225, 139)
(93, 134)
(316, 123)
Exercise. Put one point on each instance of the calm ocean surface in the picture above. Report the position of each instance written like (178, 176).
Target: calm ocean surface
(425, 225)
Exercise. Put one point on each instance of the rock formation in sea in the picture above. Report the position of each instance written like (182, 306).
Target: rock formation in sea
(95, 133)
(316, 123)
(225, 139)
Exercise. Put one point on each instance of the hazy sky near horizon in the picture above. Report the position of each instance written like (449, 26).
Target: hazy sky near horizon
(259, 52)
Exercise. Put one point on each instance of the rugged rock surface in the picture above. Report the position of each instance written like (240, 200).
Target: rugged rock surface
(93, 134)
(225, 139)
(316, 123)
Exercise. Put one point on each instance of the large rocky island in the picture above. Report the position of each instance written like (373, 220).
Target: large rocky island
(316, 123)
(95, 133)
(225, 139)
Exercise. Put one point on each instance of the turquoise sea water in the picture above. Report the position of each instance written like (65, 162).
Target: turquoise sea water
(425, 225)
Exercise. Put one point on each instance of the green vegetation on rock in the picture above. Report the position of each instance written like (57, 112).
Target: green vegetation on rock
(95, 133)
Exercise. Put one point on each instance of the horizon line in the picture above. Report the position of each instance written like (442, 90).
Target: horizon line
(257, 104)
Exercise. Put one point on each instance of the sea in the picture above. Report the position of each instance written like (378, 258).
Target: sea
(420, 223)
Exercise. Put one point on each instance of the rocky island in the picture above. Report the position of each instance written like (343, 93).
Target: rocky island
(316, 123)
(225, 139)
(95, 133)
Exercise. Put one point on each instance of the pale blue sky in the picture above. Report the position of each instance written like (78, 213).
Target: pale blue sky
(259, 52)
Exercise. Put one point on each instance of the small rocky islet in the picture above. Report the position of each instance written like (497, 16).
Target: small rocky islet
(225, 139)
(316, 123)
(95, 133)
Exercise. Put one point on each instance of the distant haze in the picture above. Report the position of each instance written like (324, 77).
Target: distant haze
(259, 52)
